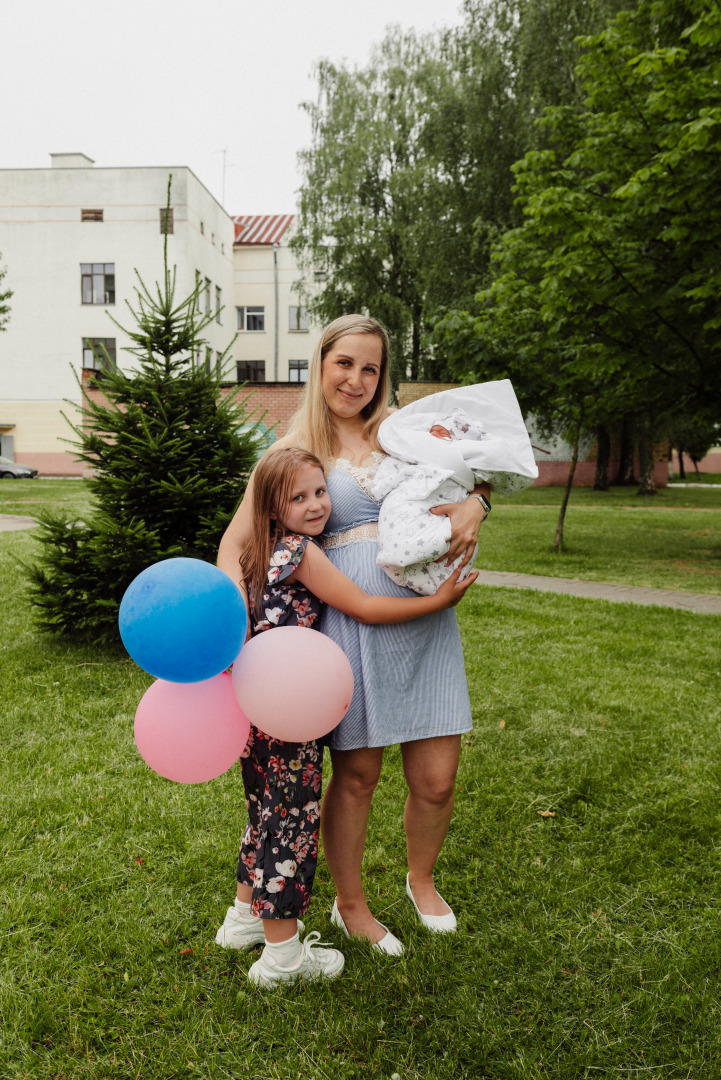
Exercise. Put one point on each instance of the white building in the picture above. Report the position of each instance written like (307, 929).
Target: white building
(275, 339)
(70, 237)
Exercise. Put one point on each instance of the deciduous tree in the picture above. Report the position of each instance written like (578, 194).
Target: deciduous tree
(362, 206)
(611, 286)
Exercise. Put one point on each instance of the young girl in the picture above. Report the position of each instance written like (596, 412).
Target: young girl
(288, 578)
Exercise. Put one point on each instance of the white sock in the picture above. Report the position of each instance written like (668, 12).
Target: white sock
(241, 908)
(285, 953)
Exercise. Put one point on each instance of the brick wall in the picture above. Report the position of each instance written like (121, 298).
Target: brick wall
(710, 464)
(278, 400)
(414, 391)
(555, 473)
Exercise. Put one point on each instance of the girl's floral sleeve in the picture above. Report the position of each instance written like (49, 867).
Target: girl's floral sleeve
(286, 558)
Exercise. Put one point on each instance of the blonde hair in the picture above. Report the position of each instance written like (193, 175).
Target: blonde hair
(273, 481)
(312, 425)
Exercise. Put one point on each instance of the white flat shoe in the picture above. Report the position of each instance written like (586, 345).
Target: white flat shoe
(439, 924)
(388, 944)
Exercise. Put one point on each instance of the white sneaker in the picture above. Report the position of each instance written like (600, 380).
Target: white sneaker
(314, 963)
(240, 931)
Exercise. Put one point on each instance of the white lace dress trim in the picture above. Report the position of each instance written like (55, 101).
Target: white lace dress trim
(362, 474)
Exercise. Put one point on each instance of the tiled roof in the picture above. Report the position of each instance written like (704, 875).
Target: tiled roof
(260, 228)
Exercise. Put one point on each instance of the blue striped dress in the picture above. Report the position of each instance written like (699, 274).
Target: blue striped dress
(410, 680)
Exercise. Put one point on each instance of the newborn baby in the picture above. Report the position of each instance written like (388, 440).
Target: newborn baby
(459, 426)
(439, 457)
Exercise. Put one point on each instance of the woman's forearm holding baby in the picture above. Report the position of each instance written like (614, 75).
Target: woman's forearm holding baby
(466, 519)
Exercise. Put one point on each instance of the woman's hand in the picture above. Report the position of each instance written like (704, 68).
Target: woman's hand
(466, 519)
(452, 590)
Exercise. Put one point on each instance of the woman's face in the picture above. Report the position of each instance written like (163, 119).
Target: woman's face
(350, 372)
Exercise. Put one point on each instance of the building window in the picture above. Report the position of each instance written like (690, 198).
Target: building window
(297, 371)
(91, 215)
(320, 275)
(251, 370)
(98, 283)
(198, 279)
(297, 319)
(218, 302)
(206, 294)
(166, 220)
(99, 354)
(251, 319)
(202, 229)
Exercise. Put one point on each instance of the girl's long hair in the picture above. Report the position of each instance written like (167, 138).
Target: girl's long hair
(312, 425)
(273, 481)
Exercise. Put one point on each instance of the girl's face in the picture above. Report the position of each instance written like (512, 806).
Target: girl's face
(350, 373)
(308, 506)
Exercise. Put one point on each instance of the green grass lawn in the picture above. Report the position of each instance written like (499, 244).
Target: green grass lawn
(702, 478)
(669, 541)
(29, 497)
(668, 498)
(582, 864)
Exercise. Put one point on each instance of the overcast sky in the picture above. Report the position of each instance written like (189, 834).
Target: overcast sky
(175, 82)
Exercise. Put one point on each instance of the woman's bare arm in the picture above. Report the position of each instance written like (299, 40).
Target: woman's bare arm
(466, 519)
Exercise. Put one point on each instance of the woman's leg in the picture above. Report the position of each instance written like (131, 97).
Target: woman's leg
(430, 767)
(344, 821)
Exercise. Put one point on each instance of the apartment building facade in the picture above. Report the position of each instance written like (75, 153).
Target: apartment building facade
(275, 337)
(71, 237)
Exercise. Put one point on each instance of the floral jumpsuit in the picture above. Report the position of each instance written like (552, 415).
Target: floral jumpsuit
(282, 780)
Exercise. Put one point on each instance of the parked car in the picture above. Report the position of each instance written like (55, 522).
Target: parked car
(13, 470)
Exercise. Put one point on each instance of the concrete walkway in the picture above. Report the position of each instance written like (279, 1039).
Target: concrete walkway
(600, 590)
(11, 522)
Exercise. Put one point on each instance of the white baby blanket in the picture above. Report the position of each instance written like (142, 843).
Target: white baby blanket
(423, 471)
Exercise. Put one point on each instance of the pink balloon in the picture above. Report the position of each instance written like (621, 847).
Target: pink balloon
(191, 732)
(293, 683)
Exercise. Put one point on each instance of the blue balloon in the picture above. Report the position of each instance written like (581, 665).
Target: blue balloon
(183, 620)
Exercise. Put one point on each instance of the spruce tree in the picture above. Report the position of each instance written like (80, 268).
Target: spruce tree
(170, 459)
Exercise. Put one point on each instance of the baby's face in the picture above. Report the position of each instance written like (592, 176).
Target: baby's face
(439, 432)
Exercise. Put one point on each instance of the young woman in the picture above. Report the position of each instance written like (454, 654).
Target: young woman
(410, 684)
